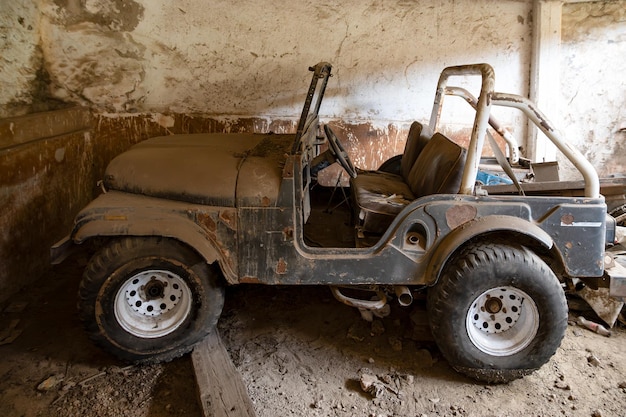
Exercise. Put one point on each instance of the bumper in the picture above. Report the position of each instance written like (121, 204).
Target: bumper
(617, 274)
(61, 250)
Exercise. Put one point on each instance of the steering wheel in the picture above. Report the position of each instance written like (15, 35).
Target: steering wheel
(338, 152)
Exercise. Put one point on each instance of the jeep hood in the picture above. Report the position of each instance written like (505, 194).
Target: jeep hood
(220, 169)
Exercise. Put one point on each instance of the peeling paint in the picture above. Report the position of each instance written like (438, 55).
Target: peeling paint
(281, 267)
(117, 15)
(21, 59)
(229, 218)
(206, 220)
(458, 215)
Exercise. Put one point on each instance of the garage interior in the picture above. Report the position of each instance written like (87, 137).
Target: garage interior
(83, 80)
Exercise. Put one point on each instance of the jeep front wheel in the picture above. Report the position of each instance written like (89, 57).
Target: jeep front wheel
(149, 300)
(498, 312)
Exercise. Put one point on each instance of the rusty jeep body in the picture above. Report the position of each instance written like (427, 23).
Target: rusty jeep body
(183, 216)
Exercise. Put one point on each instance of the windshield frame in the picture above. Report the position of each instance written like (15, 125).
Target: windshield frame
(317, 88)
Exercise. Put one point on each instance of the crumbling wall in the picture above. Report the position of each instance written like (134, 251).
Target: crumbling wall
(593, 84)
(21, 60)
(249, 59)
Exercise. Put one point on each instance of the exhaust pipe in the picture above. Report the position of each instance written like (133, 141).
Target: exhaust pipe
(405, 298)
(359, 303)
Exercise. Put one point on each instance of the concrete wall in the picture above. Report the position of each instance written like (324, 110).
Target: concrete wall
(46, 176)
(154, 67)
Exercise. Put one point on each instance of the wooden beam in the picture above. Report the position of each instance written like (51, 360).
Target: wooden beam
(16, 131)
(545, 80)
(221, 389)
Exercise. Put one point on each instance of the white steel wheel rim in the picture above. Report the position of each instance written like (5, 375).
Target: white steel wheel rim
(152, 303)
(502, 321)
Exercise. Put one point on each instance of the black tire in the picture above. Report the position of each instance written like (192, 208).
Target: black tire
(498, 312)
(149, 300)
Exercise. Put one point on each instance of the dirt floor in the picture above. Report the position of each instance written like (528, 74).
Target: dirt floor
(300, 352)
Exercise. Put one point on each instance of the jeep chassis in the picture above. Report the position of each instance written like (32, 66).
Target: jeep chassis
(183, 216)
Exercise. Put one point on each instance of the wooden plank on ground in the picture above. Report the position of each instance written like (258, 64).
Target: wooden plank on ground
(221, 389)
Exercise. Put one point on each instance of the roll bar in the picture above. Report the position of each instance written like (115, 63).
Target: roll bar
(486, 99)
(590, 176)
(512, 145)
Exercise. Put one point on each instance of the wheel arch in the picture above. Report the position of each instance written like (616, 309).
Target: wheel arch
(182, 230)
(492, 228)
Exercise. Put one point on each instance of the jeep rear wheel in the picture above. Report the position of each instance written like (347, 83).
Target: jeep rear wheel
(498, 312)
(149, 300)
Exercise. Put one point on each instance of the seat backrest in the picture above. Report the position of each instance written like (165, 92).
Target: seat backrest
(415, 142)
(438, 168)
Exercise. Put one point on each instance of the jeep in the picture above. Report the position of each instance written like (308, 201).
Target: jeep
(183, 216)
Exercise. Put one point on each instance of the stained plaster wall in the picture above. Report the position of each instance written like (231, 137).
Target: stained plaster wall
(248, 59)
(154, 67)
(593, 84)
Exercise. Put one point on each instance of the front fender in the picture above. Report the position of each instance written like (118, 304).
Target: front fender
(211, 231)
(475, 228)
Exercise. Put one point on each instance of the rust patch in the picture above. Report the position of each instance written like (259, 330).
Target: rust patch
(249, 280)
(205, 220)
(265, 202)
(567, 219)
(229, 218)
(569, 245)
(112, 217)
(288, 170)
(281, 267)
(288, 233)
(458, 215)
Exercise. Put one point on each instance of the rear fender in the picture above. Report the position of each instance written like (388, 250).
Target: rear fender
(476, 228)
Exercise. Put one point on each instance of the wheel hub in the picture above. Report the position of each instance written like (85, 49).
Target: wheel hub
(502, 321)
(152, 303)
(148, 293)
(154, 289)
(496, 310)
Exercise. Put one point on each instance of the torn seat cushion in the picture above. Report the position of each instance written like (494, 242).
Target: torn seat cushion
(379, 195)
(378, 198)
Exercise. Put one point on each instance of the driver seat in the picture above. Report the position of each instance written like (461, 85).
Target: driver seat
(380, 196)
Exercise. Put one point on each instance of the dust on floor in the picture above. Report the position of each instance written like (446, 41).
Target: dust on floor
(300, 353)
